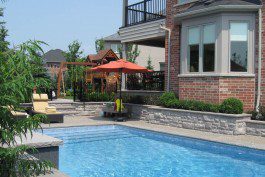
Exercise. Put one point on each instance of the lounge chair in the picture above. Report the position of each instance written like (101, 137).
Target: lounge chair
(17, 114)
(41, 106)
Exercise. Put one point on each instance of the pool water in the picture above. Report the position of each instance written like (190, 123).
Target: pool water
(104, 151)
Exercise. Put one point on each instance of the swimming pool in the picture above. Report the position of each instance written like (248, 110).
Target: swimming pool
(103, 151)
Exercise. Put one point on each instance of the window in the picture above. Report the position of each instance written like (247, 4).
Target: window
(201, 48)
(185, 1)
(193, 49)
(238, 46)
(115, 47)
(208, 48)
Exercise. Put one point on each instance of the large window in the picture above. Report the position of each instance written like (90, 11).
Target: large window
(201, 48)
(194, 49)
(208, 48)
(238, 46)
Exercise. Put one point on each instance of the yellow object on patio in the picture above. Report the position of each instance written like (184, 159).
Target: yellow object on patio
(118, 104)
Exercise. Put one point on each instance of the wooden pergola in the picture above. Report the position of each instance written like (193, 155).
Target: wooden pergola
(63, 65)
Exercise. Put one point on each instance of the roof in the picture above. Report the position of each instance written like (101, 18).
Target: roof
(54, 56)
(101, 55)
(208, 4)
(113, 37)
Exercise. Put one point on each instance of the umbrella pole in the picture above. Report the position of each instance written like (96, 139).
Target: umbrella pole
(120, 92)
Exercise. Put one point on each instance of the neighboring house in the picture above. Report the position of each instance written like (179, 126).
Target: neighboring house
(156, 54)
(214, 46)
(52, 61)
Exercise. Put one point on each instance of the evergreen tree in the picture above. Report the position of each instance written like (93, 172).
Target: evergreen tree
(132, 52)
(16, 84)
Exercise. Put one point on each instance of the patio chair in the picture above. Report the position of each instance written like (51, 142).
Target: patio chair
(41, 106)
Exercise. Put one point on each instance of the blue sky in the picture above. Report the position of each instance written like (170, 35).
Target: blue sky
(59, 22)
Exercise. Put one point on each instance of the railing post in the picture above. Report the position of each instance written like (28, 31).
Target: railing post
(125, 13)
(145, 5)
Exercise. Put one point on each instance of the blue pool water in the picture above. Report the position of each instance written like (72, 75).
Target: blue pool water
(104, 151)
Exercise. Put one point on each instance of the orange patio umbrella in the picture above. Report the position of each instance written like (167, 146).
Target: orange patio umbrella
(121, 66)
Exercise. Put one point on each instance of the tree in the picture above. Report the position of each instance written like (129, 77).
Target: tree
(16, 83)
(149, 64)
(132, 52)
(73, 55)
(99, 44)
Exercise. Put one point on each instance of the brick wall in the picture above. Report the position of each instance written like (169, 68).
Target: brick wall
(217, 89)
(263, 55)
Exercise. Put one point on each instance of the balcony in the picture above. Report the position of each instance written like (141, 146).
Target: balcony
(145, 11)
(141, 23)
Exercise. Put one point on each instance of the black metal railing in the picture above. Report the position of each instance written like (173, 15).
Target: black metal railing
(144, 11)
(146, 81)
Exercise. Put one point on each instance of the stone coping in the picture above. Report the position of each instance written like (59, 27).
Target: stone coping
(37, 140)
(255, 122)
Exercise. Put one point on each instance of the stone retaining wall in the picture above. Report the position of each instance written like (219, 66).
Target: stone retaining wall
(195, 120)
(256, 128)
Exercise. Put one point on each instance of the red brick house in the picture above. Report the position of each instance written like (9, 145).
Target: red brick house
(214, 51)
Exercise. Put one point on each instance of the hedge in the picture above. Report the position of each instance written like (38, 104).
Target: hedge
(229, 106)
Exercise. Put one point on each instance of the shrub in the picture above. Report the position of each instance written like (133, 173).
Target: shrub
(167, 96)
(232, 106)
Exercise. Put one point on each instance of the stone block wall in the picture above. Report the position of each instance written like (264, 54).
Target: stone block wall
(256, 128)
(195, 120)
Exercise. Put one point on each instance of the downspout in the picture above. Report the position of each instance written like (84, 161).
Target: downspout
(168, 55)
(259, 60)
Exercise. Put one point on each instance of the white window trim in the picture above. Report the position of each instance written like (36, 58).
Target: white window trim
(201, 26)
(248, 46)
(183, 3)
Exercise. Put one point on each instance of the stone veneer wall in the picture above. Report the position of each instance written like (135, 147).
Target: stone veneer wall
(256, 128)
(217, 89)
(195, 120)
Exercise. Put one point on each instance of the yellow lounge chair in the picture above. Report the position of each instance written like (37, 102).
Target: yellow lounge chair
(41, 106)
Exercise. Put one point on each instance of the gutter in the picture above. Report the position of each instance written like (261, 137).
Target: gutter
(168, 55)
(259, 61)
(218, 9)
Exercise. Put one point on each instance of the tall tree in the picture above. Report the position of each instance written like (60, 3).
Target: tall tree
(73, 55)
(99, 44)
(132, 52)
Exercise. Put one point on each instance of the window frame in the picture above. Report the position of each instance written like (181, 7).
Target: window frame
(201, 54)
(248, 46)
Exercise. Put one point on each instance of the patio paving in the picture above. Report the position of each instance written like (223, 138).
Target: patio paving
(241, 140)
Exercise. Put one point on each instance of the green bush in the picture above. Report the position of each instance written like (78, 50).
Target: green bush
(232, 106)
(69, 93)
(167, 96)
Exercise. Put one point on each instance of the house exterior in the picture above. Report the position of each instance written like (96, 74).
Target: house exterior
(156, 54)
(52, 60)
(214, 50)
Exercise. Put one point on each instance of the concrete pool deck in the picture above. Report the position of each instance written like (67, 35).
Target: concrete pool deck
(240, 140)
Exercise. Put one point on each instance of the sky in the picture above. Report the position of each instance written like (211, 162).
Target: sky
(59, 22)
